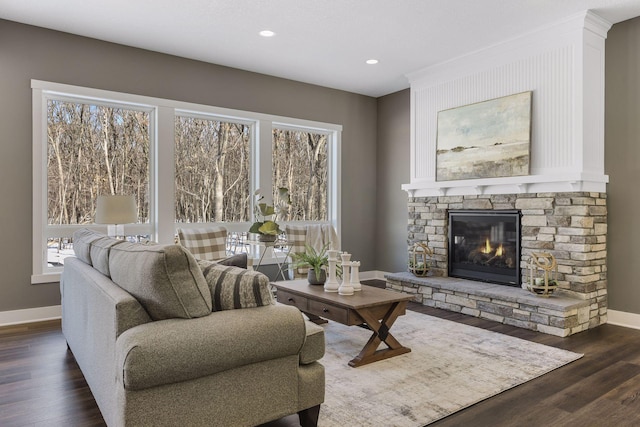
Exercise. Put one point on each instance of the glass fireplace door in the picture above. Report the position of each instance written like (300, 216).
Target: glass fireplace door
(485, 245)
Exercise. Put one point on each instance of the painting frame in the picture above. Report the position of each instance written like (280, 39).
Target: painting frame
(487, 139)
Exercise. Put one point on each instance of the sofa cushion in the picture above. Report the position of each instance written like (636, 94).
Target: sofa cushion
(99, 251)
(233, 287)
(82, 243)
(165, 279)
(177, 350)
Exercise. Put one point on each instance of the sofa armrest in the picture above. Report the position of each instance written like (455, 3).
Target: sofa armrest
(174, 350)
(95, 311)
(88, 296)
(314, 346)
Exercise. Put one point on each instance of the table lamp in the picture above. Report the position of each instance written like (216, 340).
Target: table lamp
(116, 210)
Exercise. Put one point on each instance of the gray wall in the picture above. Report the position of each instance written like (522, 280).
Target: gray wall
(622, 164)
(34, 53)
(394, 124)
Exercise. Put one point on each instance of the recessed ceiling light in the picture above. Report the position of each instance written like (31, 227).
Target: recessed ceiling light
(267, 33)
(372, 61)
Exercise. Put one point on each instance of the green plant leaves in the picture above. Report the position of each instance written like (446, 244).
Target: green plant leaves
(270, 228)
(266, 210)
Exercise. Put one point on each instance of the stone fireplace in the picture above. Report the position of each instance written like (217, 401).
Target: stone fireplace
(572, 226)
(561, 202)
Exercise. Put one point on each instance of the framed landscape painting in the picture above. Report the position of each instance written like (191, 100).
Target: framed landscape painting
(488, 139)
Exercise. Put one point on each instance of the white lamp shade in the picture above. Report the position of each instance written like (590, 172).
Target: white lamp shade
(116, 210)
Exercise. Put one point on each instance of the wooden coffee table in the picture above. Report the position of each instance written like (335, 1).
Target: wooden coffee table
(373, 308)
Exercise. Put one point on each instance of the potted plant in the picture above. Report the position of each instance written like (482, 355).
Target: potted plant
(418, 268)
(537, 285)
(316, 261)
(266, 226)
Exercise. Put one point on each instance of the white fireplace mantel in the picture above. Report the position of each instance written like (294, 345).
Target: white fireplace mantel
(511, 185)
(563, 65)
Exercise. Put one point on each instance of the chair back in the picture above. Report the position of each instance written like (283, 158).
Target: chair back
(314, 235)
(206, 243)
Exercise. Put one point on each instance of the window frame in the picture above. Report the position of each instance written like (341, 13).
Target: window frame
(252, 124)
(332, 165)
(42, 231)
(162, 113)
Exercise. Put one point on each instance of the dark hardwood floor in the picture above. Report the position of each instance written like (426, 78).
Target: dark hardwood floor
(41, 385)
(600, 389)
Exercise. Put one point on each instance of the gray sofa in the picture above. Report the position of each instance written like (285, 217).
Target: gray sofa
(139, 322)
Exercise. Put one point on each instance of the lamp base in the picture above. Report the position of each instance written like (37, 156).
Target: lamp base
(115, 230)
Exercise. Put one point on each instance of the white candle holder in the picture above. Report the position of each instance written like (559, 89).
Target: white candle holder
(331, 285)
(345, 288)
(355, 276)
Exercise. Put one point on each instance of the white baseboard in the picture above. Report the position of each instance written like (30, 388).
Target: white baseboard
(372, 274)
(622, 318)
(30, 315)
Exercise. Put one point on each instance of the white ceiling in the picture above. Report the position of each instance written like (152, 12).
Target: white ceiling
(323, 42)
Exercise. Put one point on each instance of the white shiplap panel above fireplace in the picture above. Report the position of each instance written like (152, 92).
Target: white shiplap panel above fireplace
(563, 65)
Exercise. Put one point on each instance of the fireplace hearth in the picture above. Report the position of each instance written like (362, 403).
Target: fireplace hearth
(484, 245)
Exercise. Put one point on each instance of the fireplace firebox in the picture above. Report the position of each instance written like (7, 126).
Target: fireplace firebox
(485, 246)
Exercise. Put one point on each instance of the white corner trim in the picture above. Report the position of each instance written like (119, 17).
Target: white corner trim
(621, 318)
(30, 315)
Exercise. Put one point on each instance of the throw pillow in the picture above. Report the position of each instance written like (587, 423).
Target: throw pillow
(233, 287)
(238, 260)
(165, 279)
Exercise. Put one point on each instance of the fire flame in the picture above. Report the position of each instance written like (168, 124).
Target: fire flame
(487, 248)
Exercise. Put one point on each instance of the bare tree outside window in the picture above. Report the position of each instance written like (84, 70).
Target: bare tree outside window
(94, 150)
(300, 164)
(212, 170)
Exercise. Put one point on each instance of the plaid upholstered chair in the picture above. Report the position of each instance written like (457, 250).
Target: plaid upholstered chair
(314, 235)
(206, 243)
(296, 237)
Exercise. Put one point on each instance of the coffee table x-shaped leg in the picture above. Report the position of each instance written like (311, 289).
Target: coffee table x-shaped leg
(380, 328)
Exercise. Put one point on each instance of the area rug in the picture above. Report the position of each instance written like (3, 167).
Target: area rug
(451, 366)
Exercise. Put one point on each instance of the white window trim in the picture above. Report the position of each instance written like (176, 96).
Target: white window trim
(162, 112)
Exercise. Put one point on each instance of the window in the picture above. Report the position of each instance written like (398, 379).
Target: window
(212, 170)
(185, 163)
(300, 164)
(92, 150)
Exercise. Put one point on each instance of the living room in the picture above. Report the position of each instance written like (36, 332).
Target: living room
(376, 147)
